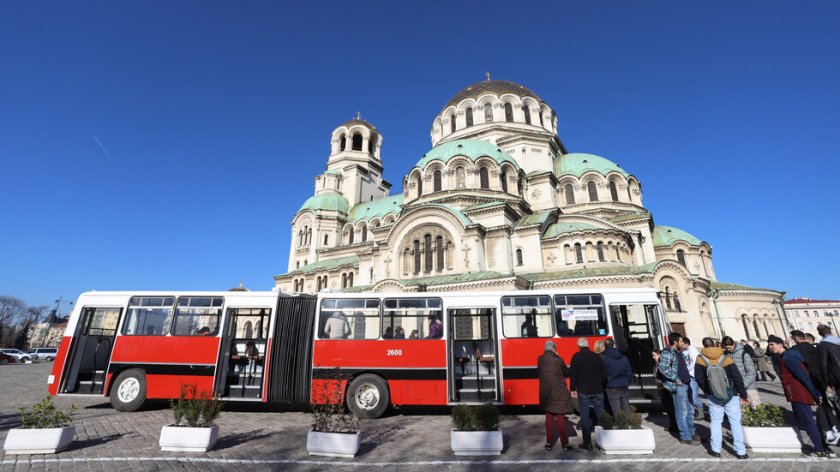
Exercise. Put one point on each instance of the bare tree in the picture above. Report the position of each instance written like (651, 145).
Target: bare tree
(29, 317)
(11, 309)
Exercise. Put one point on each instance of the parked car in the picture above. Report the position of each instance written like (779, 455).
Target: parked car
(6, 359)
(47, 353)
(20, 356)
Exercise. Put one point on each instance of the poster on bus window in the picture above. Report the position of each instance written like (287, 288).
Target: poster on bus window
(579, 315)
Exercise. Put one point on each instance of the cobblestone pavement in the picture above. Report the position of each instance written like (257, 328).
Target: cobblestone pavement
(409, 440)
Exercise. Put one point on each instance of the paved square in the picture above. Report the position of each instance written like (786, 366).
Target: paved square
(408, 440)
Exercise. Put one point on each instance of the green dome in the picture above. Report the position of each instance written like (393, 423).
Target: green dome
(378, 207)
(558, 228)
(578, 164)
(667, 235)
(469, 148)
(327, 201)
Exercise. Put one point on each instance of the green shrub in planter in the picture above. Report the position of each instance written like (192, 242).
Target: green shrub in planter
(763, 416)
(621, 420)
(45, 414)
(198, 410)
(475, 418)
(329, 414)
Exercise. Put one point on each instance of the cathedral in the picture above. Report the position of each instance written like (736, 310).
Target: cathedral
(499, 203)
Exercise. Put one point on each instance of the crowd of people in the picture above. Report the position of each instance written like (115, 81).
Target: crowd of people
(726, 372)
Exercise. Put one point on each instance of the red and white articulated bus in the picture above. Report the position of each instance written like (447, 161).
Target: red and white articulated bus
(427, 348)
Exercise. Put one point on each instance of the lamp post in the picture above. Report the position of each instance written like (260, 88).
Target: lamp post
(58, 306)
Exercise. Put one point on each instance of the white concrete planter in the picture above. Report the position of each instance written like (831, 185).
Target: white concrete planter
(477, 443)
(38, 441)
(332, 444)
(625, 441)
(782, 439)
(187, 439)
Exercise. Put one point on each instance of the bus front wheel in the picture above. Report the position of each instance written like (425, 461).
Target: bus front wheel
(129, 390)
(368, 396)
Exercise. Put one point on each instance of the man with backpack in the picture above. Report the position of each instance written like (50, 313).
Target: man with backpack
(746, 367)
(719, 377)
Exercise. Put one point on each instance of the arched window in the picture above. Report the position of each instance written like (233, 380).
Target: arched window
(326, 239)
(427, 246)
(613, 191)
(416, 256)
(668, 298)
(372, 144)
(542, 122)
(350, 279)
(600, 249)
(578, 253)
(508, 112)
(419, 185)
(343, 280)
(570, 194)
(755, 327)
(764, 321)
(503, 181)
(617, 253)
(469, 116)
(630, 198)
(297, 265)
(439, 249)
(519, 257)
(746, 326)
(309, 237)
(488, 113)
(351, 236)
(484, 178)
(295, 285)
(305, 230)
(452, 125)
(681, 257)
(325, 282)
(343, 145)
(593, 192)
(318, 284)
(677, 304)
(364, 233)
(520, 185)
(357, 142)
(460, 177)
(436, 180)
(406, 261)
(300, 238)
(371, 275)
(527, 112)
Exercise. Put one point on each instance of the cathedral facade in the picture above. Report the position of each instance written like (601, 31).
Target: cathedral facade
(498, 203)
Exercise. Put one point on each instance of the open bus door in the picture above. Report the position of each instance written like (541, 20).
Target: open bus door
(637, 332)
(90, 351)
(473, 354)
(242, 354)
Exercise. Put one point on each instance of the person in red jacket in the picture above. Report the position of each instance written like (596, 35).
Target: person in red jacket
(799, 391)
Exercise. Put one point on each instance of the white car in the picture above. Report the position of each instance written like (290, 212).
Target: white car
(19, 355)
(47, 353)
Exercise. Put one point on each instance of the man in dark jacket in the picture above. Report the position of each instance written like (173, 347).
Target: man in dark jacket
(825, 417)
(799, 390)
(554, 396)
(829, 354)
(619, 376)
(588, 376)
(711, 357)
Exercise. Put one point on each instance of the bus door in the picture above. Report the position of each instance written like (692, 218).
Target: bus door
(473, 355)
(636, 329)
(91, 350)
(242, 355)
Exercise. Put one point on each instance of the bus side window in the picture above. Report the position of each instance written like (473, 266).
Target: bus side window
(527, 317)
(148, 316)
(409, 318)
(197, 316)
(580, 315)
(349, 318)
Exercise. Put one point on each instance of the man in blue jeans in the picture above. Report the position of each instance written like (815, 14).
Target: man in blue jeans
(588, 375)
(676, 379)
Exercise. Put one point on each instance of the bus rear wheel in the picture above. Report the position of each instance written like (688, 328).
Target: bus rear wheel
(368, 396)
(129, 390)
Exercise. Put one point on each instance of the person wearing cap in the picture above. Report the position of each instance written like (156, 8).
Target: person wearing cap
(554, 396)
(799, 390)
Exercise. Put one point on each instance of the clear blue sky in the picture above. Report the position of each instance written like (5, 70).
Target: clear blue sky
(167, 145)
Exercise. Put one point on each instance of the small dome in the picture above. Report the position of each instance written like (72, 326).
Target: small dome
(378, 207)
(667, 235)
(327, 201)
(496, 87)
(577, 164)
(357, 121)
(470, 148)
(240, 288)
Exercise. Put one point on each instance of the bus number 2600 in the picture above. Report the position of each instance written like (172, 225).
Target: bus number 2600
(394, 352)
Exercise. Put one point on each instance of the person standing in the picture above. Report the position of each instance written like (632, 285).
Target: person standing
(762, 363)
(799, 390)
(690, 354)
(619, 376)
(718, 375)
(664, 394)
(825, 417)
(746, 367)
(829, 352)
(588, 376)
(554, 396)
(435, 328)
(676, 380)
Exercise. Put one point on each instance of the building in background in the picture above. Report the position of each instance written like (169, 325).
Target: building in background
(806, 314)
(499, 203)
